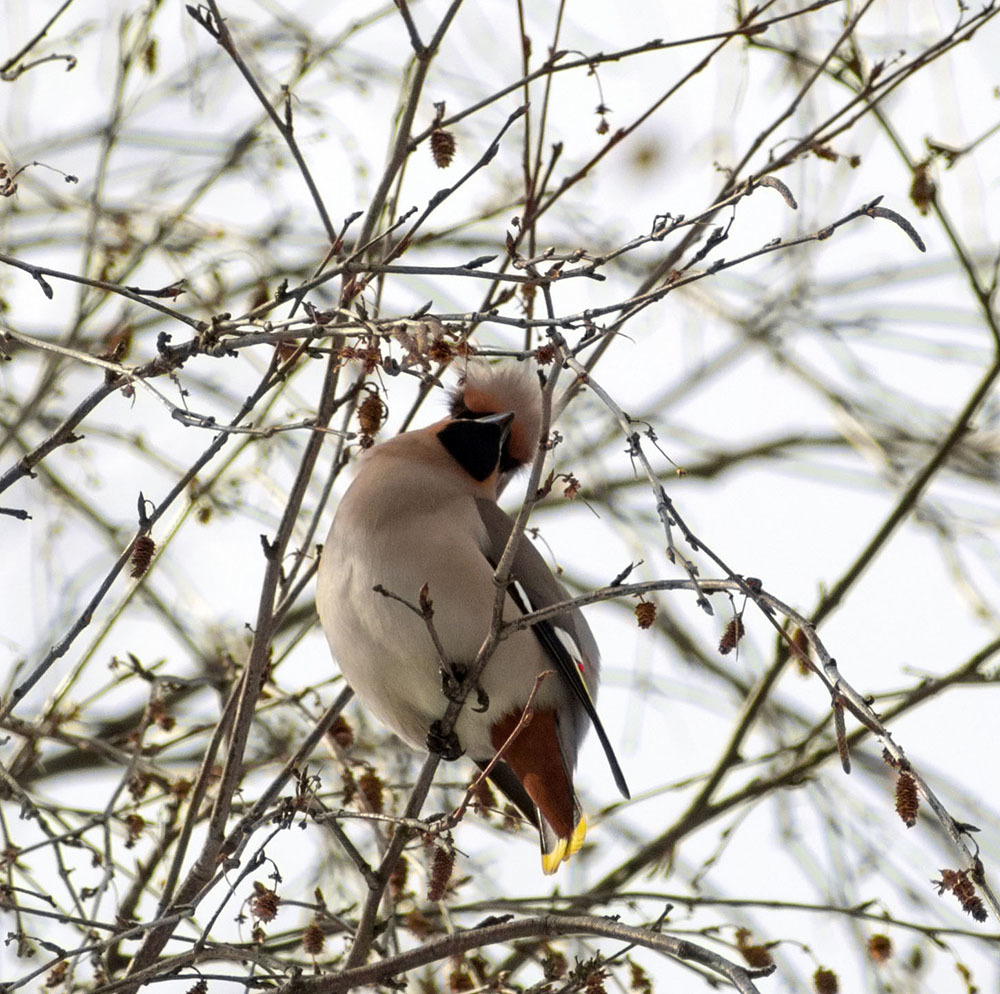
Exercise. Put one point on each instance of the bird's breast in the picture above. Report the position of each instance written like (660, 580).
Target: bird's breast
(385, 648)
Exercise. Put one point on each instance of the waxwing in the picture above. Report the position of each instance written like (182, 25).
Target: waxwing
(422, 510)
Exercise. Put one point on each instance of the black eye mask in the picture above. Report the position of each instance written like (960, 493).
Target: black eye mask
(477, 443)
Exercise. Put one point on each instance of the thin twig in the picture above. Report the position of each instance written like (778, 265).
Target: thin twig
(527, 713)
(32, 42)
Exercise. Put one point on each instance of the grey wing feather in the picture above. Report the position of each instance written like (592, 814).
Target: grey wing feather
(536, 588)
(504, 778)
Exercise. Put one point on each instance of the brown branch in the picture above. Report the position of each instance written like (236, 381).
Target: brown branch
(555, 64)
(84, 619)
(225, 39)
(546, 926)
(38, 273)
(214, 847)
(6, 67)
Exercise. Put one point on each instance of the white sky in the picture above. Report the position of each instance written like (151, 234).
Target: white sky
(796, 525)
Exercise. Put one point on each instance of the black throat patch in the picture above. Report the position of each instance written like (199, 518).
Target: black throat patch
(459, 410)
(474, 445)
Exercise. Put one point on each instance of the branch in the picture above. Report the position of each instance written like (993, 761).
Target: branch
(38, 273)
(546, 926)
(224, 37)
(5, 69)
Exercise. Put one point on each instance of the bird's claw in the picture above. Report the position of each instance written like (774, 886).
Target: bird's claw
(482, 701)
(452, 679)
(446, 745)
(452, 683)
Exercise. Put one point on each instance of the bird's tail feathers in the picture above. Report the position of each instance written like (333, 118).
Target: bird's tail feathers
(555, 850)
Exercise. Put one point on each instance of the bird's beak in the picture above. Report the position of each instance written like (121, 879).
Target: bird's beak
(504, 420)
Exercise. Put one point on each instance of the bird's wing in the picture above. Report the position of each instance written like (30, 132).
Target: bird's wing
(506, 780)
(566, 638)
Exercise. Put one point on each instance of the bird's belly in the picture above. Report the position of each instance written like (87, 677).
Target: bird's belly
(387, 655)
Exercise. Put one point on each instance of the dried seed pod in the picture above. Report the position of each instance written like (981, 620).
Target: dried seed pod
(923, 188)
(442, 864)
(554, 963)
(371, 412)
(138, 784)
(418, 924)
(159, 714)
(801, 643)
(180, 788)
(264, 903)
(732, 635)
(879, 948)
(142, 555)
(645, 613)
(371, 357)
(341, 732)
(442, 147)
(57, 975)
(460, 979)
(975, 907)
(440, 350)
(825, 981)
(595, 981)
(603, 126)
(949, 880)
(350, 790)
(313, 938)
(371, 787)
(572, 488)
(756, 955)
(907, 798)
(958, 882)
(824, 152)
(639, 981)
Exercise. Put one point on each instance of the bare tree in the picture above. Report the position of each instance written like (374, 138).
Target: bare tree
(242, 243)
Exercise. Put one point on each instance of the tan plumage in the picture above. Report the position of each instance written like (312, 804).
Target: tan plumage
(422, 510)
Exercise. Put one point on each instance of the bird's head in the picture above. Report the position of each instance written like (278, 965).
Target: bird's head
(510, 389)
(477, 444)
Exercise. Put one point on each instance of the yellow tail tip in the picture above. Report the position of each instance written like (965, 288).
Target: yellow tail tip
(564, 848)
(579, 833)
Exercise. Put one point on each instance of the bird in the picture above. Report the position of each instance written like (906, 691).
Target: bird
(422, 515)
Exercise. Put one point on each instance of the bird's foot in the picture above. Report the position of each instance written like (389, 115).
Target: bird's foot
(482, 700)
(446, 745)
(452, 678)
(452, 682)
